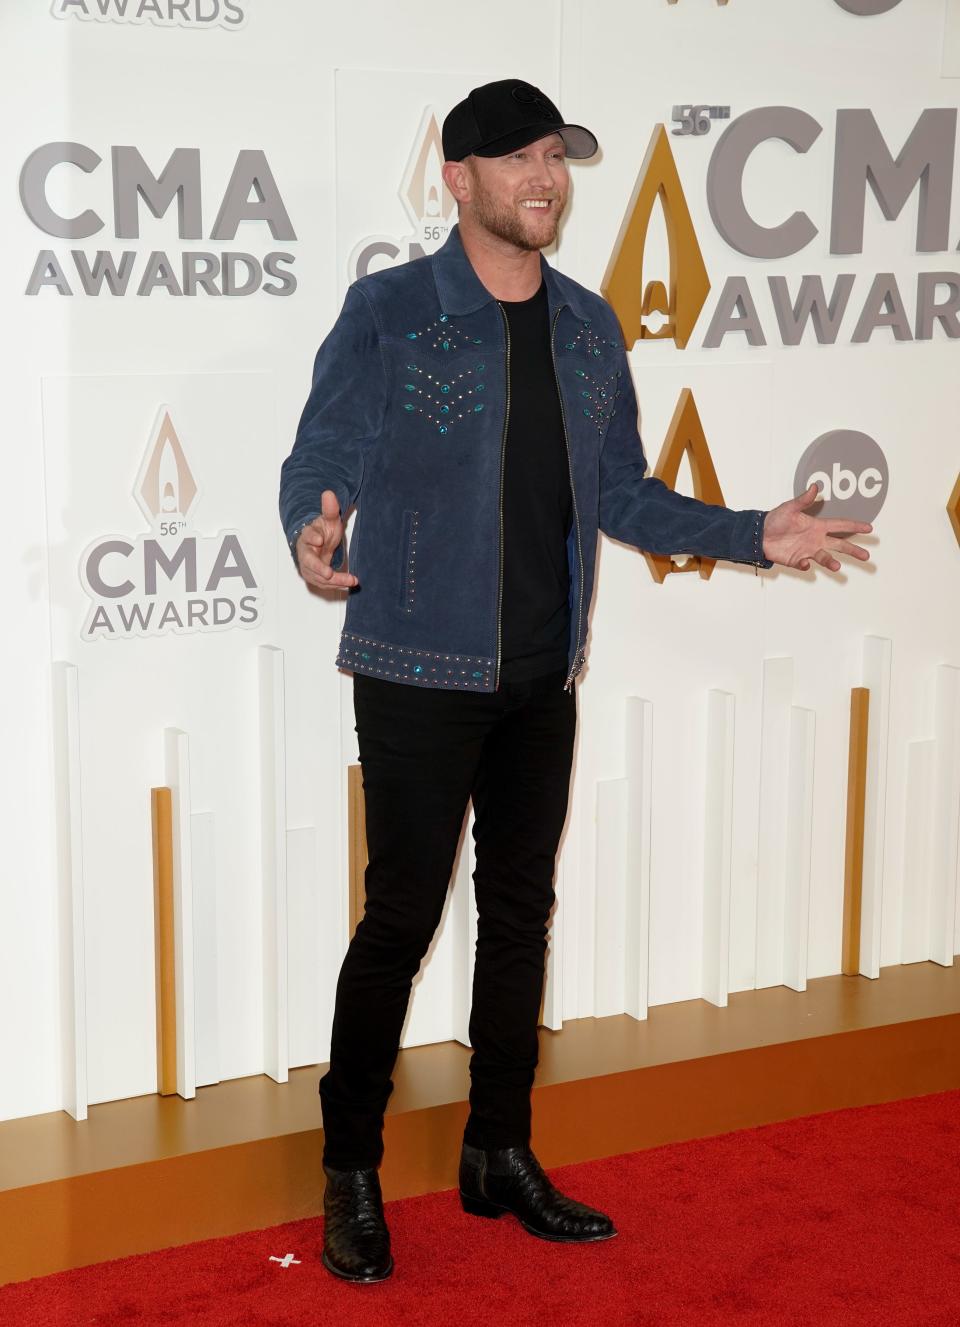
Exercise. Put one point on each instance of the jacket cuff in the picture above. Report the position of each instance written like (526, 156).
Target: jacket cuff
(295, 534)
(748, 539)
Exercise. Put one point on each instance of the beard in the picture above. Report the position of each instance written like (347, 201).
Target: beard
(504, 222)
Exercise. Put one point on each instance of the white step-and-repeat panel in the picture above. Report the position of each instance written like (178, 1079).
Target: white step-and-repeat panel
(191, 188)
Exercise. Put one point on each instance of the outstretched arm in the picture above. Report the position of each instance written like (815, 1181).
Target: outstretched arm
(640, 509)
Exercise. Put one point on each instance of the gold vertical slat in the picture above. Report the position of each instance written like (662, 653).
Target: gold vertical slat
(358, 843)
(856, 804)
(161, 807)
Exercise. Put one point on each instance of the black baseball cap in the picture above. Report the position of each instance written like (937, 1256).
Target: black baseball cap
(501, 117)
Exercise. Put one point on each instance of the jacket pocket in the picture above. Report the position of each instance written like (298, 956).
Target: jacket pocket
(408, 563)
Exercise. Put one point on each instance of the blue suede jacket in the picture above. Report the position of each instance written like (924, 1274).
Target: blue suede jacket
(407, 420)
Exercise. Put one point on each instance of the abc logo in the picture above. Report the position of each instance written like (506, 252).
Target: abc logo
(852, 473)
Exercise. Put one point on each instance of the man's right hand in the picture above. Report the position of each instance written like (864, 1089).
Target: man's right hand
(316, 545)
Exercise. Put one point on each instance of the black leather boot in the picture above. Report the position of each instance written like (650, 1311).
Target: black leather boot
(356, 1244)
(511, 1179)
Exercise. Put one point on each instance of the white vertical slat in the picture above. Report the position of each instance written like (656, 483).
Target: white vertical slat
(205, 957)
(273, 853)
(772, 857)
(462, 918)
(570, 903)
(609, 962)
(553, 974)
(877, 654)
(177, 755)
(946, 815)
(718, 818)
(304, 948)
(917, 838)
(587, 925)
(639, 754)
(73, 1016)
(796, 913)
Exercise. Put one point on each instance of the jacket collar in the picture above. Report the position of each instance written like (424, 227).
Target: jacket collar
(461, 291)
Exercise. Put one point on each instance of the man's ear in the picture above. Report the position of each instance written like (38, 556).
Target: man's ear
(456, 176)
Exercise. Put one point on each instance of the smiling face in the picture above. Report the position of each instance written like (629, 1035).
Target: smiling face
(519, 197)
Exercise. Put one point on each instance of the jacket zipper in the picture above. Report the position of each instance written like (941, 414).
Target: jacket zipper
(503, 452)
(573, 494)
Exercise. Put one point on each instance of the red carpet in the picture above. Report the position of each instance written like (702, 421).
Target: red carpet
(848, 1218)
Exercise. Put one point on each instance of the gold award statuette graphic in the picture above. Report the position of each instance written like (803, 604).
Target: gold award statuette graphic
(686, 436)
(426, 200)
(623, 281)
(165, 489)
(953, 509)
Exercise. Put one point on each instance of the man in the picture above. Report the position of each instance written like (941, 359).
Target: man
(477, 408)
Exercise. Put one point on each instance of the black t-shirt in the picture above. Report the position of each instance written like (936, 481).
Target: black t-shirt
(537, 505)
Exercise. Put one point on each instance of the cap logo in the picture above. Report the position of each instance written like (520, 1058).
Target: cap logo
(530, 97)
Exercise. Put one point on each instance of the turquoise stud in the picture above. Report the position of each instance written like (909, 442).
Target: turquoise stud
(479, 387)
(444, 387)
(412, 336)
(418, 668)
(478, 674)
(444, 409)
(596, 350)
(478, 408)
(408, 406)
(481, 368)
(364, 655)
(445, 344)
(570, 345)
(581, 373)
(444, 317)
(478, 340)
(442, 428)
(409, 387)
(412, 368)
(587, 413)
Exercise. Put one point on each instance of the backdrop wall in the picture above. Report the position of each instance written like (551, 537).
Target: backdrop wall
(167, 276)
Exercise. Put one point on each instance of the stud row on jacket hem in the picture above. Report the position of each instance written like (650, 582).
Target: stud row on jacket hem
(475, 659)
(420, 671)
(476, 683)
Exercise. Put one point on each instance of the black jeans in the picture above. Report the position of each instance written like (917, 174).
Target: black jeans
(424, 754)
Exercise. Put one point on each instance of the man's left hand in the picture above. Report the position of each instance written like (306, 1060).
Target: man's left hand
(794, 538)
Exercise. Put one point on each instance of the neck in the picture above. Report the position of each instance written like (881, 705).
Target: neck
(509, 273)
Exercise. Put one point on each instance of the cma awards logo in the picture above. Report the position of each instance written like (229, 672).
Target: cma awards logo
(53, 173)
(171, 579)
(162, 13)
(654, 309)
(426, 199)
